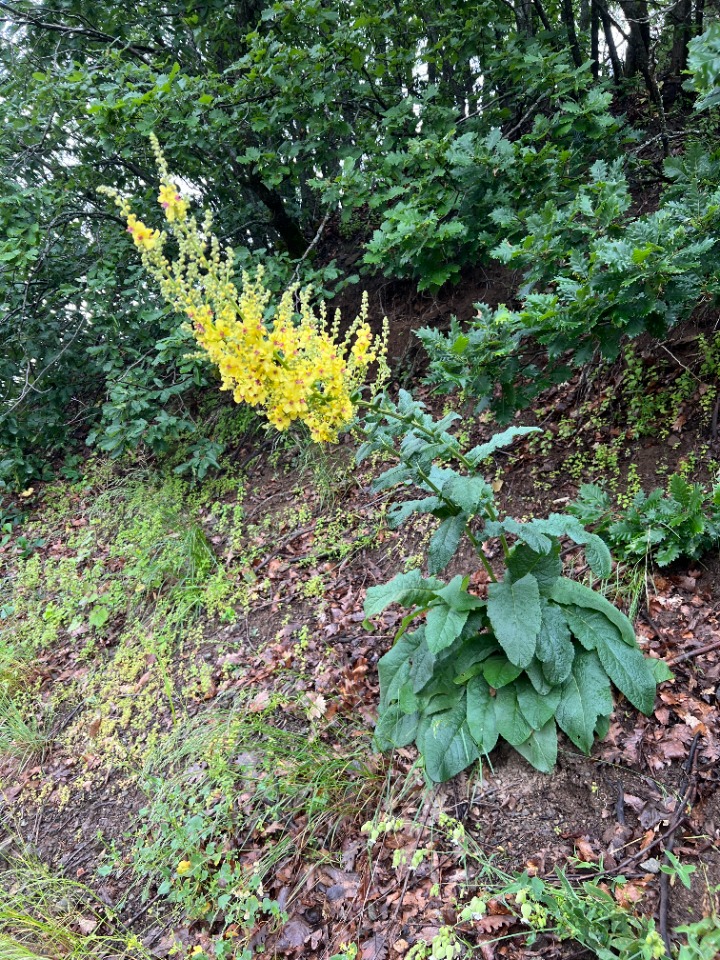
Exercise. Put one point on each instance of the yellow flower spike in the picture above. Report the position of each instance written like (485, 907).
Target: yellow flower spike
(293, 368)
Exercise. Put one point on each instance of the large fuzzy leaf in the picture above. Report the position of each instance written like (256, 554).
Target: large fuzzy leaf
(540, 748)
(443, 626)
(589, 626)
(408, 589)
(504, 439)
(445, 742)
(481, 714)
(394, 668)
(395, 728)
(499, 672)
(536, 708)
(399, 512)
(515, 615)
(555, 647)
(628, 669)
(511, 722)
(444, 542)
(545, 567)
(585, 696)
(569, 592)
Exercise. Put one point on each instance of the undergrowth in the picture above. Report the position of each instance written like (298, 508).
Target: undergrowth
(232, 798)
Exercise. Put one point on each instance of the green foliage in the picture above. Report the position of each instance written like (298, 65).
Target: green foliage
(682, 521)
(445, 200)
(43, 914)
(157, 563)
(214, 788)
(541, 650)
(593, 276)
(704, 65)
(588, 914)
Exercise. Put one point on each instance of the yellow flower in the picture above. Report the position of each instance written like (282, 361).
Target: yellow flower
(184, 867)
(172, 202)
(143, 236)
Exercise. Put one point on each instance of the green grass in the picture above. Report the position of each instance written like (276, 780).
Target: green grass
(21, 734)
(231, 796)
(43, 915)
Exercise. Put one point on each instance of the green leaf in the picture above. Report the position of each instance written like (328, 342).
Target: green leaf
(629, 671)
(455, 595)
(498, 671)
(407, 589)
(534, 673)
(511, 723)
(589, 626)
(536, 709)
(399, 512)
(585, 696)
(540, 749)
(515, 615)
(395, 728)
(469, 493)
(422, 665)
(504, 439)
(445, 542)
(569, 592)
(660, 670)
(443, 625)
(596, 551)
(545, 567)
(394, 668)
(481, 714)
(408, 699)
(555, 647)
(99, 616)
(446, 744)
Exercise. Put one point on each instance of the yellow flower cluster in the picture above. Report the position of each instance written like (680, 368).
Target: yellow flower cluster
(170, 199)
(284, 361)
(143, 237)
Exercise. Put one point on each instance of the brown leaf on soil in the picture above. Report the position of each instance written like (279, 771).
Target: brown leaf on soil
(374, 949)
(629, 894)
(585, 849)
(293, 935)
(491, 924)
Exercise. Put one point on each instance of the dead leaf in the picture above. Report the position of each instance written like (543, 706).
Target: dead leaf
(374, 949)
(293, 935)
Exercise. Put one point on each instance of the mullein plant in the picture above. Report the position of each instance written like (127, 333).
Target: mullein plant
(542, 651)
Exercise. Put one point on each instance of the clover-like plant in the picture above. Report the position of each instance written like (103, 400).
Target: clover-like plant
(539, 653)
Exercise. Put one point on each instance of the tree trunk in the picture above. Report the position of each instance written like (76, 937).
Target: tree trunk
(680, 19)
(523, 17)
(637, 57)
(569, 21)
(610, 40)
(595, 38)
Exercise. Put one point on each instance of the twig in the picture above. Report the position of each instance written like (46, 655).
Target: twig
(313, 243)
(694, 653)
(620, 805)
(141, 911)
(680, 363)
(282, 543)
(687, 786)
